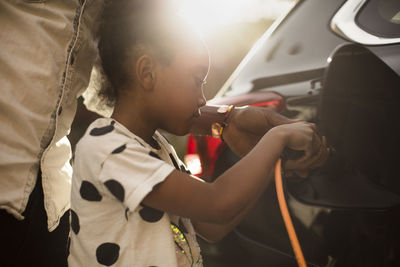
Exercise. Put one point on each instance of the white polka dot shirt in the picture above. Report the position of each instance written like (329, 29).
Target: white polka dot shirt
(113, 171)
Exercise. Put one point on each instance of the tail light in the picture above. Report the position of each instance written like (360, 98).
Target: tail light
(192, 157)
(193, 163)
(273, 104)
(203, 151)
(201, 154)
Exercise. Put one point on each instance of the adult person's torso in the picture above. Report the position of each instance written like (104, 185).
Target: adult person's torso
(46, 56)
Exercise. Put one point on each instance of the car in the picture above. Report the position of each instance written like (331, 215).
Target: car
(335, 63)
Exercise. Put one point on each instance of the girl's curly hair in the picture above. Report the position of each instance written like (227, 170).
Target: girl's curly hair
(128, 29)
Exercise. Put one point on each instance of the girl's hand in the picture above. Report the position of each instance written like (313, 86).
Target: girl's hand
(303, 136)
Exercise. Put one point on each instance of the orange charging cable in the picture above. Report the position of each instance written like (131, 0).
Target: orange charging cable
(286, 216)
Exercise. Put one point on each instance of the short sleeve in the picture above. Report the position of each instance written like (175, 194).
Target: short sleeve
(131, 172)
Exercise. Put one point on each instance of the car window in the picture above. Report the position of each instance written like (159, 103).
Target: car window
(293, 50)
(380, 18)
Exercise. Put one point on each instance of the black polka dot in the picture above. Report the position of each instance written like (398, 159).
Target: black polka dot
(116, 189)
(126, 213)
(74, 222)
(107, 254)
(150, 215)
(155, 144)
(183, 169)
(154, 155)
(102, 130)
(174, 162)
(182, 226)
(119, 149)
(89, 192)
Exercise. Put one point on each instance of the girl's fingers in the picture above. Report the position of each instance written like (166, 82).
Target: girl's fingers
(310, 161)
(323, 157)
(320, 159)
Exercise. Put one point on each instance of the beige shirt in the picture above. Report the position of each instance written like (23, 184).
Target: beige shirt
(114, 170)
(46, 57)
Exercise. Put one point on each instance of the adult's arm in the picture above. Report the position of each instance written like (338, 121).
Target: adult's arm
(246, 125)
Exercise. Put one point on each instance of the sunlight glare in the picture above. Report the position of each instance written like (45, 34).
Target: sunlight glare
(207, 15)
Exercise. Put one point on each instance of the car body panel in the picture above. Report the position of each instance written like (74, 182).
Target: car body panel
(347, 213)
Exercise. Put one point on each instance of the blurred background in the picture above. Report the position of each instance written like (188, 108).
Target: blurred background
(229, 27)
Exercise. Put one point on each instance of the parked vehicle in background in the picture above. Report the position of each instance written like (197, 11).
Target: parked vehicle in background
(335, 63)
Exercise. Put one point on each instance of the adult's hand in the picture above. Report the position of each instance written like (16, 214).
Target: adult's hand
(246, 126)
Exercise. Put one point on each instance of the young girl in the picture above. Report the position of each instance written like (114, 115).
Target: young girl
(133, 202)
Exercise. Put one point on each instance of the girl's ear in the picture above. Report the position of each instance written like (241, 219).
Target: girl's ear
(145, 72)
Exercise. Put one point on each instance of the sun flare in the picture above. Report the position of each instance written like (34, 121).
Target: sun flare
(209, 15)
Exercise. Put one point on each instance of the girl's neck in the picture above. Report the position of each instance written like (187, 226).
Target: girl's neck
(135, 120)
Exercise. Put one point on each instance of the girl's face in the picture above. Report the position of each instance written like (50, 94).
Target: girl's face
(179, 88)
